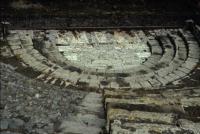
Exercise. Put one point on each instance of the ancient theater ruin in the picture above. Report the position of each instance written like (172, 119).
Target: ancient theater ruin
(100, 67)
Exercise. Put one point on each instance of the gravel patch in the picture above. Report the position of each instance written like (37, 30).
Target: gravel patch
(28, 106)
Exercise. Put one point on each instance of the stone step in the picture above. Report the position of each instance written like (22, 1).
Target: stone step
(150, 104)
(132, 93)
(99, 111)
(139, 116)
(146, 128)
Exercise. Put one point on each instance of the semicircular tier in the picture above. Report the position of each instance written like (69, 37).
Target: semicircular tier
(108, 59)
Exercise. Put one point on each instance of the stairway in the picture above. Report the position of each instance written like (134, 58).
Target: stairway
(90, 118)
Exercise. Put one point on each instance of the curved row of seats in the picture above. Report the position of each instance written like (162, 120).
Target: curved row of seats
(174, 54)
(164, 66)
(175, 62)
